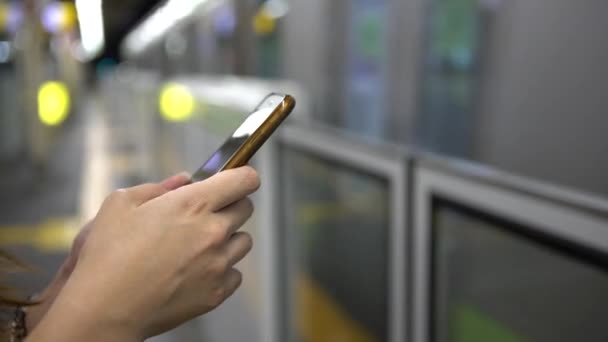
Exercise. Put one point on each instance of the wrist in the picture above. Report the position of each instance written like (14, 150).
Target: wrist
(73, 317)
(44, 300)
(65, 324)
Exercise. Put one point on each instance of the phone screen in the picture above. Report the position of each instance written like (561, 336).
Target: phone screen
(238, 138)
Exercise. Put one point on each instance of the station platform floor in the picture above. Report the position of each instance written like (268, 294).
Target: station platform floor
(40, 207)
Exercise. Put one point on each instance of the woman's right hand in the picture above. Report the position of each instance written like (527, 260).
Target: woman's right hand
(155, 259)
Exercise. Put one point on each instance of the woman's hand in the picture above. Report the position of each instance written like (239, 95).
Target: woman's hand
(155, 259)
(47, 297)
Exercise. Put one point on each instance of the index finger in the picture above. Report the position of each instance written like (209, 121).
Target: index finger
(222, 189)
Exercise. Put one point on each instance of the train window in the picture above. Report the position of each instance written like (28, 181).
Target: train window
(337, 221)
(366, 78)
(492, 281)
(450, 77)
(475, 88)
(268, 24)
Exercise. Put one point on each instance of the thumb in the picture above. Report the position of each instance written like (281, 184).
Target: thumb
(176, 182)
(143, 193)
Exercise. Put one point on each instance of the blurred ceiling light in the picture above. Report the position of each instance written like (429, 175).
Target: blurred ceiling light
(159, 23)
(276, 8)
(51, 17)
(263, 23)
(58, 16)
(265, 20)
(252, 122)
(5, 51)
(224, 22)
(11, 16)
(53, 103)
(90, 18)
(176, 102)
(3, 15)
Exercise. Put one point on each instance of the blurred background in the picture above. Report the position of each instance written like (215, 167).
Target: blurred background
(443, 178)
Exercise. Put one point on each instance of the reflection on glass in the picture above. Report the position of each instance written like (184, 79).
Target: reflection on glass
(492, 284)
(366, 68)
(219, 158)
(450, 77)
(338, 222)
(268, 27)
(238, 138)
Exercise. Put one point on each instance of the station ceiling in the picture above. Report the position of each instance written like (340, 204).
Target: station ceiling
(120, 16)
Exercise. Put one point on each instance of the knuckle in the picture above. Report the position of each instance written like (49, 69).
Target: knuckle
(195, 205)
(218, 230)
(213, 241)
(220, 266)
(117, 196)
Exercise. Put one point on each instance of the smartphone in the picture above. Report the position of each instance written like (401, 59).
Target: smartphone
(249, 137)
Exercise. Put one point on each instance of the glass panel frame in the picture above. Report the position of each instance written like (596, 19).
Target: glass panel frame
(337, 229)
(386, 161)
(496, 280)
(542, 209)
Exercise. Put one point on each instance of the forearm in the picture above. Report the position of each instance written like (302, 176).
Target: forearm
(70, 319)
(47, 297)
(35, 313)
(60, 324)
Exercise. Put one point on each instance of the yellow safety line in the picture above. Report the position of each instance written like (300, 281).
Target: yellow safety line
(318, 211)
(52, 235)
(322, 319)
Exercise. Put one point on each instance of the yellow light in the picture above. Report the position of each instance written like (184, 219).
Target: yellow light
(92, 33)
(69, 16)
(176, 103)
(53, 103)
(3, 16)
(52, 235)
(264, 23)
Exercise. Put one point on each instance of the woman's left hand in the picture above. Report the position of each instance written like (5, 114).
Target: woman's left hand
(47, 297)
